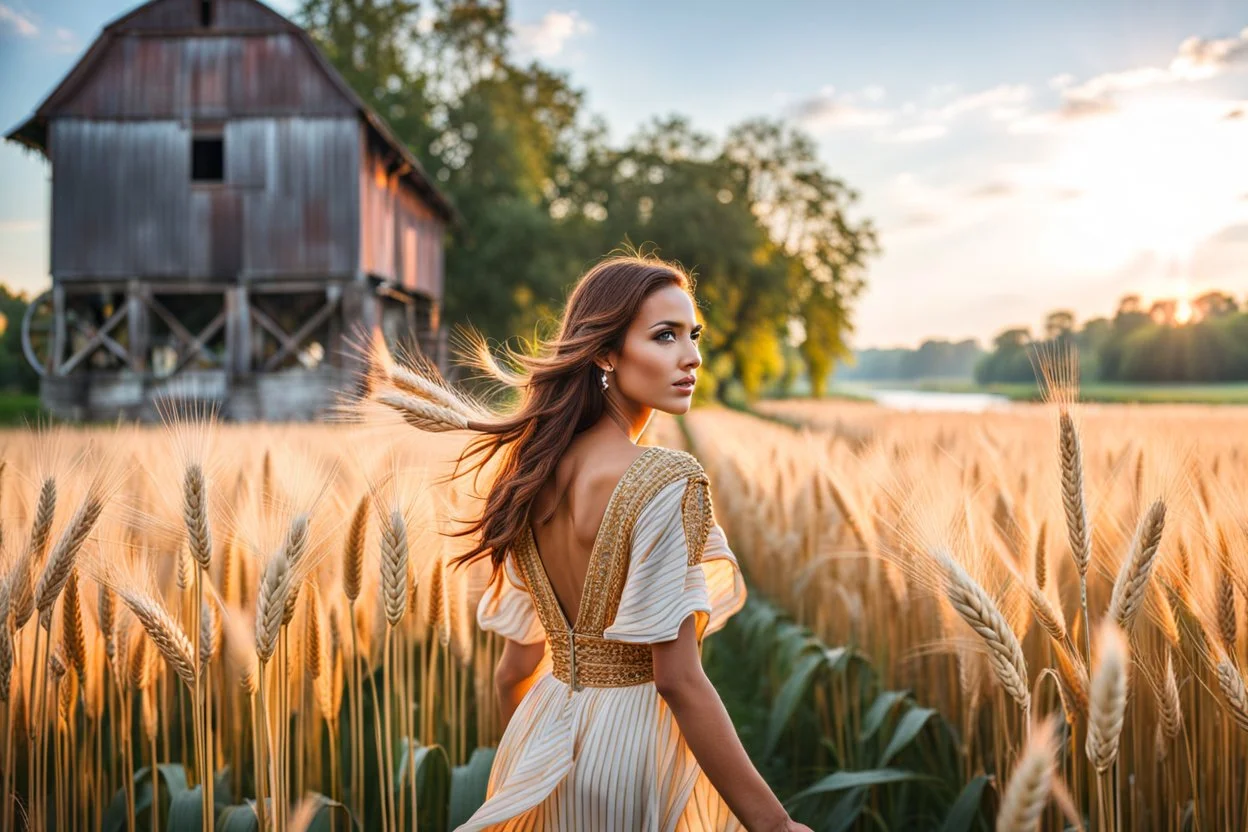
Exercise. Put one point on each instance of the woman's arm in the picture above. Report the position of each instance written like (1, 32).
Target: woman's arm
(513, 676)
(700, 713)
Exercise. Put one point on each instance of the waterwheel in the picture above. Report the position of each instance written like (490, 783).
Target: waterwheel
(39, 332)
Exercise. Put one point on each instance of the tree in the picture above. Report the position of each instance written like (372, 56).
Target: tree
(1214, 304)
(16, 374)
(1059, 323)
(542, 194)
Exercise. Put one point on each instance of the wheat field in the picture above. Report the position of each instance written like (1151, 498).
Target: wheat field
(255, 626)
(1064, 582)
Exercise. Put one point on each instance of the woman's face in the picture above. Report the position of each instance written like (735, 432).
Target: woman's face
(660, 353)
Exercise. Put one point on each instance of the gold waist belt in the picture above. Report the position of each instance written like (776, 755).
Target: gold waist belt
(589, 661)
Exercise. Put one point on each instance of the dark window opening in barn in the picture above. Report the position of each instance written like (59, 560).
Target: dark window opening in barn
(208, 159)
(205, 12)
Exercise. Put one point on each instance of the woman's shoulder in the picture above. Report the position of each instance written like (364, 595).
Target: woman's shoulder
(658, 470)
(673, 461)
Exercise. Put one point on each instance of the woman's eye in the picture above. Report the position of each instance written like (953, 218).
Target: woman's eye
(666, 332)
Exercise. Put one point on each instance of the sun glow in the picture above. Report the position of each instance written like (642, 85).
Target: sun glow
(1159, 175)
(1183, 311)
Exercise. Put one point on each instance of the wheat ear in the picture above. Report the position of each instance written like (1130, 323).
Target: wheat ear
(394, 557)
(1027, 793)
(423, 414)
(1005, 654)
(1073, 503)
(73, 633)
(1110, 682)
(164, 632)
(64, 553)
(353, 555)
(295, 548)
(1132, 581)
(270, 601)
(1231, 683)
(1169, 706)
(195, 515)
(22, 587)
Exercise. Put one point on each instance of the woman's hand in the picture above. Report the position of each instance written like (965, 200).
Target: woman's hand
(789, 825)
(793, 826)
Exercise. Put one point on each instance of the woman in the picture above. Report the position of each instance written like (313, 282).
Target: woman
(609, 569)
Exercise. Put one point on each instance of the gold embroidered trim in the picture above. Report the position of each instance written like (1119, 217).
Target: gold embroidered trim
(695, 509)
(595, 661)
(666, 468)
(601, 663)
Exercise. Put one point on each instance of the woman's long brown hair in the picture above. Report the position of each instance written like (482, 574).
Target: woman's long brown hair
(561, 395)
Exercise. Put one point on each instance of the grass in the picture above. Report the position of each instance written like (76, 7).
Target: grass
(19, 408)
(1097, 392)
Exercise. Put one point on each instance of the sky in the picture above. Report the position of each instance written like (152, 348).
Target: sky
(1016, 158)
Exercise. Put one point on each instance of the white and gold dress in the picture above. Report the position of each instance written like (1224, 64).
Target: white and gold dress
(592, 745)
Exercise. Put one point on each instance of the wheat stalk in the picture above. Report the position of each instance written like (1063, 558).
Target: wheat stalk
(22, 601)
(1027, 793)
(1227, 621)
(195, 515)
(1005, 654)
(164, 632)
(1108, 705)
(1131, 584)
(1041, 567)
(353, 554)
(394, 557)
(1073, 503)
(424, 414)
(73, 634)
(1235, 694)
(61, 560)
(270, 602)
(1169, 707)
(296, 547)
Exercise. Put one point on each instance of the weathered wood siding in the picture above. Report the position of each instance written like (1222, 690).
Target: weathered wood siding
(120, 199)
(297, 179)
(123, 204)
(400, 237)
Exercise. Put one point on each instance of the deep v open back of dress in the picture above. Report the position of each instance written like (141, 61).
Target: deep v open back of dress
(592, 745)
(573, 622)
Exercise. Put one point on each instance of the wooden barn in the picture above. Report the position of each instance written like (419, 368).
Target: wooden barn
(227, 218)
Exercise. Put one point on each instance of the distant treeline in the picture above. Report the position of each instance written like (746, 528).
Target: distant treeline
(933, 359)
(1205, 340)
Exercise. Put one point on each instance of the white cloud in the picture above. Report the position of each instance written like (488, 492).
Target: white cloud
(63, 40)
(826, 112)
(994, 100)
(1197, 59)
(547, 37)
(874, 92)
(920, 133)
(10, 18)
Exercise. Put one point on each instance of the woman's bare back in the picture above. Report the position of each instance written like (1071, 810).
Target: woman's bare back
(577, 494)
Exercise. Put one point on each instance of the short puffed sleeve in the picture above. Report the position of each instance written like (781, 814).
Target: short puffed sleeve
(507, 608)
(679, 565)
